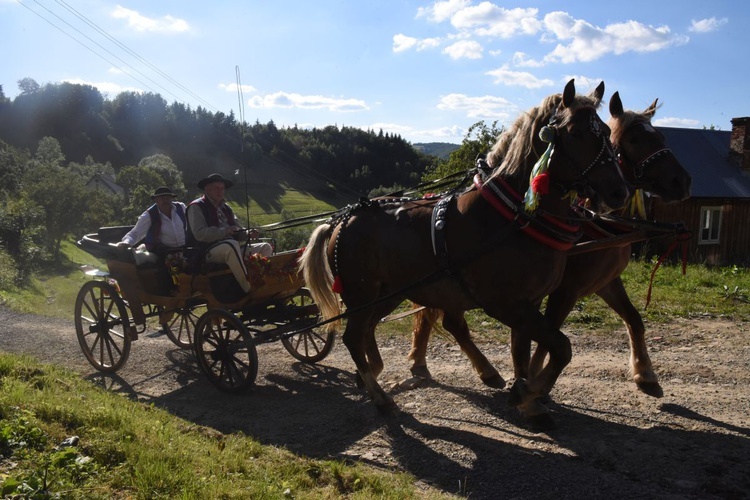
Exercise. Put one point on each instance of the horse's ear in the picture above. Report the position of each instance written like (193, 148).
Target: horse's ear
(615, 105)
(569, 94)
(651, 110)
(599, 92)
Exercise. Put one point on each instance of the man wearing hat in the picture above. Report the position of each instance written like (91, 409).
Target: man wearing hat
(212, 226)
(161, 227)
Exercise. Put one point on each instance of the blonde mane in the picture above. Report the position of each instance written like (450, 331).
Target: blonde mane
(518, 147)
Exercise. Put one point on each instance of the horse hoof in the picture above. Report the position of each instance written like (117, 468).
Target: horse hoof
(545, 400)
(389, 409)
(495, 381)
(518, 393)
(651, 388)
(541, 423)
(421, 372)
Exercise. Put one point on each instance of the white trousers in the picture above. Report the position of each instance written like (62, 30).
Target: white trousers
(229, 252)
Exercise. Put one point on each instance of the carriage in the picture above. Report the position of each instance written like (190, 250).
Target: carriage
(196, 308)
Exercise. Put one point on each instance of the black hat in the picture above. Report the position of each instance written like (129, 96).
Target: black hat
(214, 178)
(163, 191)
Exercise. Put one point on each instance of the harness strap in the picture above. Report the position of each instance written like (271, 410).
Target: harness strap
(439, 243)
(550, 231)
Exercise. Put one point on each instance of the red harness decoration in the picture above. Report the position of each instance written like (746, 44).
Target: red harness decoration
(490, 192)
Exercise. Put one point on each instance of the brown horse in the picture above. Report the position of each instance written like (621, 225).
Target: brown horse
(648, 165)
(379, 252)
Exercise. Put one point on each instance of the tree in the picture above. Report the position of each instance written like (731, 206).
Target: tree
(167, 170)
(478, 141)
(28, 86)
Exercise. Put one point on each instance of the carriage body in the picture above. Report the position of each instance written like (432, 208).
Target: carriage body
(197, 308)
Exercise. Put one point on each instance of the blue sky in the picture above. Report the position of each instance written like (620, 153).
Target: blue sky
(425, 70)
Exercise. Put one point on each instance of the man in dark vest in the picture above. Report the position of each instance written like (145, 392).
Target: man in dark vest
(212, 226)
(161, 228)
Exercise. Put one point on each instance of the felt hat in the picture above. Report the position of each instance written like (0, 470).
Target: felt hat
(214, 178)
(163, 191)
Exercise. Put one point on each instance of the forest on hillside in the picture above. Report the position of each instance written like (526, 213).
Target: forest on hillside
(131, 126)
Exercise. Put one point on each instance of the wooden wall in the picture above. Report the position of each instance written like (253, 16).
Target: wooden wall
(734, 238)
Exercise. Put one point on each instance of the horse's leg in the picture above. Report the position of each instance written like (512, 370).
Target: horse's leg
(616, 297)
(455, 323)
(520, 353)
(371, 346)
(360, 330)
(424, 322)
(530, 324)
(559, 305)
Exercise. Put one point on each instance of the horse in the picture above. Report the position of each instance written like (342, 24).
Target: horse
(376, 253)
(648, 165)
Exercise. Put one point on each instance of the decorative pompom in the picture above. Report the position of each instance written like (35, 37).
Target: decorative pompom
(337, 287)
(547, 134)
(540, 184)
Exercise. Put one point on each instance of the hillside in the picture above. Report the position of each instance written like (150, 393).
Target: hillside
(439, 149)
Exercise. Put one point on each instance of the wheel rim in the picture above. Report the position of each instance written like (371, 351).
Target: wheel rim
(180, 329)
(102, 326)
(225, 351)
(311, 345)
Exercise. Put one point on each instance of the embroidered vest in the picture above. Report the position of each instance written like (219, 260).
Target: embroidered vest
(152, 235)
(211, 214)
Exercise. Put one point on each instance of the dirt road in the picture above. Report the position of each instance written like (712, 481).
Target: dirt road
(460, 436)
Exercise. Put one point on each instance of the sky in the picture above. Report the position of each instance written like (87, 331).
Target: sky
(424, 70)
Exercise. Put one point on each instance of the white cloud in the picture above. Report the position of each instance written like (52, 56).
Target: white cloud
(485, 107)
(440, 11)
(402, 43)
(287, 100)
(586, 42)
(584, 84)
(707, 25)
(232, 87)
(518, 78)
(108, 88)
(489, 20)
(522, 60)
(676, 122)
(139, 22)
(464, 49)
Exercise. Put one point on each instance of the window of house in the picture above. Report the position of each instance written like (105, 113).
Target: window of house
(710, 225)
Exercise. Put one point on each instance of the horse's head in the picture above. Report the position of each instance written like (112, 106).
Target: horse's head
(645, 160)
(583, 158)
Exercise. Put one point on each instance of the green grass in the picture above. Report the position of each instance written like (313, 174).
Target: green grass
(132, 450)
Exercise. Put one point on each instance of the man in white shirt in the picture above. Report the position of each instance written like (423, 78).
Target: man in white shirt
(161, 227)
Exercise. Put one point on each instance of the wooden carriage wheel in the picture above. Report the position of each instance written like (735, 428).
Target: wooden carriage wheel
(180, 329)
(102, 326)
(311, 345)
(225, 350)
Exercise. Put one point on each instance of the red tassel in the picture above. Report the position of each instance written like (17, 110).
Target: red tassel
(338, 287)
(540, 184)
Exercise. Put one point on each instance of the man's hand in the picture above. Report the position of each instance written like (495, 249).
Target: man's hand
(253, 234)
(122, 244)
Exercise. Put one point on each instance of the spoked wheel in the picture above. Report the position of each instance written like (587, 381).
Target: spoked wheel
(225, 350)
(182, 325)
(311, 345)
(102, 326)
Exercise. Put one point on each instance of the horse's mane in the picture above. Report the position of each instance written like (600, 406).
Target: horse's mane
(618, 125)
(514, 152)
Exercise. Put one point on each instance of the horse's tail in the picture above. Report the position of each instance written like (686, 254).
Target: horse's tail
(318, 276)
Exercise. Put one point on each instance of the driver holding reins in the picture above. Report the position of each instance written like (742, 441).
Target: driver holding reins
(212, 227)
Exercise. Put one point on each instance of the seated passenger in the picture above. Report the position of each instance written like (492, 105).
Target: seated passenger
(161, 228)
(212, 227)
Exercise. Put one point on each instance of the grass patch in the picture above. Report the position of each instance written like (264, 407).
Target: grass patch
(62, 436)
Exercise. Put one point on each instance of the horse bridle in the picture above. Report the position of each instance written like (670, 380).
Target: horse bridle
(600, 159)
(639, 167)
